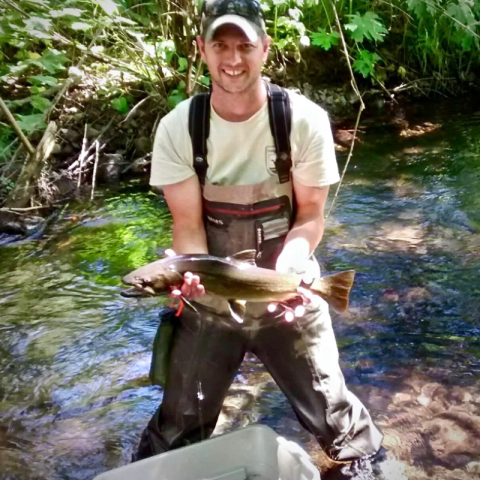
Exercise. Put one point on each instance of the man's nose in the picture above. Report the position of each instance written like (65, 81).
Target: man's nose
(234, 57)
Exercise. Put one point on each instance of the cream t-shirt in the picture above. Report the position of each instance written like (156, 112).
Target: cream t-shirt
(243, 153)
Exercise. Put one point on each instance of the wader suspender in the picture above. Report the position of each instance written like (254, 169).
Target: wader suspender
(280, 117)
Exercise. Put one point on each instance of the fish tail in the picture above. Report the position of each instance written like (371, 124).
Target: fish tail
(335, 289)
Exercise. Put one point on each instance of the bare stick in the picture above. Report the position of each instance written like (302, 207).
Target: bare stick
(82, 157)
(353, 82)
(16, 127)
(130, 113)
(76, 162)
(27, 209)
(94, 176)
(350, 153)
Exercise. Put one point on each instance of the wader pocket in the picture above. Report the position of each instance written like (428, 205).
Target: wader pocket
(162, 346)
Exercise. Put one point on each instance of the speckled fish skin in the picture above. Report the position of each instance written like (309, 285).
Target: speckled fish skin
(233, 279)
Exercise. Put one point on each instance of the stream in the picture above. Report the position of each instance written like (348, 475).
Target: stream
(74, 354)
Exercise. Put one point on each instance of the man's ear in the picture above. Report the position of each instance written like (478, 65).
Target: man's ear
(201, 46)
(266, 46)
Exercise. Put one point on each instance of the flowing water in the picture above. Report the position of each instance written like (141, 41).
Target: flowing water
(74, 354)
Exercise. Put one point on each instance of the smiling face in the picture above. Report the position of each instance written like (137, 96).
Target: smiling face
(233, 60)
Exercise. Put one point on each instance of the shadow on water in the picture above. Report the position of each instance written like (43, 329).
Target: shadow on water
(74, 355)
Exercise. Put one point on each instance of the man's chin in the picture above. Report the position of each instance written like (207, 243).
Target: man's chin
(235, 87)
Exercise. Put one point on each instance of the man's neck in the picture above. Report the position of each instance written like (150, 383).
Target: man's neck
(238, 107)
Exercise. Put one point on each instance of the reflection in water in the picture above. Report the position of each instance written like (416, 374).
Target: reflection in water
(74, 355)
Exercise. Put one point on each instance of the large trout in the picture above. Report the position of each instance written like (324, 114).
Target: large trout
(237, 279)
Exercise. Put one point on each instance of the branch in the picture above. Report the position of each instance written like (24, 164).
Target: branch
(16, 127)
(353, 82)
(350, 153)
(360, 109)
(27, 209)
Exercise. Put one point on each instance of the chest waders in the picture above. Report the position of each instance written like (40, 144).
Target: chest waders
(209, 346)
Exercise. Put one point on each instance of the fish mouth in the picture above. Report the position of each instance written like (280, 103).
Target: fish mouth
(138, 283)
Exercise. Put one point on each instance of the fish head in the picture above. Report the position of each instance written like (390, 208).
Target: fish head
(153, 279)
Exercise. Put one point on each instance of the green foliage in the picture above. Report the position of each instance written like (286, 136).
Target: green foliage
(152, 43)
(365, 63)
(120, 104)
(6, 185)
(40, 103)
(431, 38)
(367, 26)
(31, 123)
(177, 95)
(323, 39)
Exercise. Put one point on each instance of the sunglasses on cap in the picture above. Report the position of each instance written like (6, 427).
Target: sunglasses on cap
(250, 9)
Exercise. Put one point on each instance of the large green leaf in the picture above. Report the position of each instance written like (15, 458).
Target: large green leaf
(182, 64)
(175, 98)
(366, 26)
(108, 6)
(53, 61)
(365, 63)
(120, 104)
(420, 8)
(40, 103)
(462, 11)
(30, 123)
(38, 23)
(66, 12)
(81, 26)
(323, 39)
(43, 80)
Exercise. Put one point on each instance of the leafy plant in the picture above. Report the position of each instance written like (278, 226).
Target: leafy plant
(120, 104)
(367, 26)
(323, 39)
(365, 63)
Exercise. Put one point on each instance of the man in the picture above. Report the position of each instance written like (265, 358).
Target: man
(244, 186)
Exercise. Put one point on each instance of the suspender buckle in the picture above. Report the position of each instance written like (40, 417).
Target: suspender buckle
(283, 164)
(200, 165)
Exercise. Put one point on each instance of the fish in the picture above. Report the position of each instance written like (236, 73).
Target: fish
(238, 280)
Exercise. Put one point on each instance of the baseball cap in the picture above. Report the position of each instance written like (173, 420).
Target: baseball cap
(245, 14)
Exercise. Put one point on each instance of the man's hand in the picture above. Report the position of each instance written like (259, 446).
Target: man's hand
(191, 287)
(295, 308)
(294, 259)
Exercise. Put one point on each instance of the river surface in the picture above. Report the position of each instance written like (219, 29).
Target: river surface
(74, 354)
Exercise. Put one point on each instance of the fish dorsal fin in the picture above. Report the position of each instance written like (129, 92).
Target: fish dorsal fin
(245, 256)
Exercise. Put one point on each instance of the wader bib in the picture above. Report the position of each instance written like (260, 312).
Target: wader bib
(209, 345)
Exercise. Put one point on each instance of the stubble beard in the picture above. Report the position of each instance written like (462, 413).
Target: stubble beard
(231, 89)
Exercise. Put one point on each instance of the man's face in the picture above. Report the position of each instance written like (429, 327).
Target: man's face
(233, 60)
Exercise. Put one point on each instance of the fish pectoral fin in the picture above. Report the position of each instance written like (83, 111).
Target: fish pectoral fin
(245, 256)
(237, 309)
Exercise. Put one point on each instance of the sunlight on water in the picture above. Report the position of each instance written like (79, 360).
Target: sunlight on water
(74, 354)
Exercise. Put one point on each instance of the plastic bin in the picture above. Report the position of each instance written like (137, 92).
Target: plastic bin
(253, 453)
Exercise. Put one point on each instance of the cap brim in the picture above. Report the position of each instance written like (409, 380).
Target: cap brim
(249, 28)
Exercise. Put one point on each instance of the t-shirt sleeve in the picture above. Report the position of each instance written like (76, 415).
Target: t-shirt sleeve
(315, 164)
(171, 157)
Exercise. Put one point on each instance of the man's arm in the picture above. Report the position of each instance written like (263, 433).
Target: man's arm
(184, 200)
(307, 231)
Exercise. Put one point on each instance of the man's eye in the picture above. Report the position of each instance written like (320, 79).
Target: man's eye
(247, 47)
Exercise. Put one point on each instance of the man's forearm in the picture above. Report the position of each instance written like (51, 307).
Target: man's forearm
(304, 236)
(189, 240)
